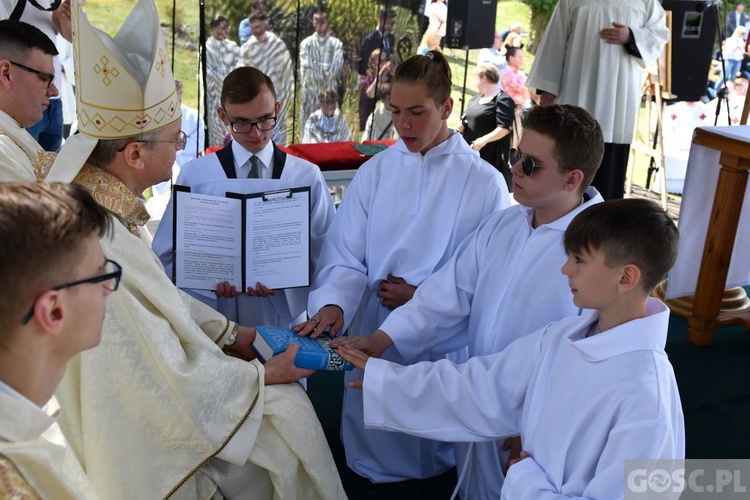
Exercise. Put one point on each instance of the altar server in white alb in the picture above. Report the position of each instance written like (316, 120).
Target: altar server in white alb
(402, 216)
(267, 52)
(55, 280)
(503, 281)
(321, 58)
(159, 409)
(592, 55)
(250, 109)
(586, 393)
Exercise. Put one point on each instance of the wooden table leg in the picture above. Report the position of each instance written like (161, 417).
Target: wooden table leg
(717, 254)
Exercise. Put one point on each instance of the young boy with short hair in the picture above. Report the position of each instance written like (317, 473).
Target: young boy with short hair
(586, 393)
(55, 280)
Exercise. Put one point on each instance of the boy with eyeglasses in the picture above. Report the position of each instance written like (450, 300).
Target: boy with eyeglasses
(503, 280)
(55, 279)
(161, 388)
(586, 393)
(26, 87)
(250, 109)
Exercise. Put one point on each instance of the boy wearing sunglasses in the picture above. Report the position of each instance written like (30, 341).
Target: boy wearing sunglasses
(55, 280)
(503, 281)
(586, 393)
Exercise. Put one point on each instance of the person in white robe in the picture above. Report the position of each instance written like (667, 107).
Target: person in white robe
(502, 282)
(23, 96)
(327, 124)
(55, 279)
(251, 96)
(267, 52)
(603, 76)
(222, 56)
(586, 393)
(186, 419)
(402, 217)
(194, 128)
(321, 59)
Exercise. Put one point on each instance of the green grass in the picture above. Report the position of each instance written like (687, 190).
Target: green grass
(108, 15)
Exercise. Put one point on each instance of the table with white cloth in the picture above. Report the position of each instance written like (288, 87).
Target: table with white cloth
(714, 243)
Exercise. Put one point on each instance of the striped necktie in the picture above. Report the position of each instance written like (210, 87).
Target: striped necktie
(255, 165)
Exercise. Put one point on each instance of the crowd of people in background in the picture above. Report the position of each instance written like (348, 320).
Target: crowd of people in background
(425, 264)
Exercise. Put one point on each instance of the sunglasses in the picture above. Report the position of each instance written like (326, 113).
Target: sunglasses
(527, 162)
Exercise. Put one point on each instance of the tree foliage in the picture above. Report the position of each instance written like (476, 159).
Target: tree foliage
(541, 11)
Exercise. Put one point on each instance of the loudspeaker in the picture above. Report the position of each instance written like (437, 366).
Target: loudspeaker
(471, 24)
(690, 48)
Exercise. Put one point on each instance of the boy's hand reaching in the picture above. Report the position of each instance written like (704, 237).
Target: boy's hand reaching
(329, 320)
(358, 359)
(374, 345)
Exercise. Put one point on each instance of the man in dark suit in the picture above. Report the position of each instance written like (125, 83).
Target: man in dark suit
(379, 38)
(735, 18)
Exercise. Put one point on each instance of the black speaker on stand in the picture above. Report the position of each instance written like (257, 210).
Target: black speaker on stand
(692, 45)
(471, 25)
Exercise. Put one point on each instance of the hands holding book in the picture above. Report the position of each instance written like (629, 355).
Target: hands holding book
(280, 369)
(226, 291)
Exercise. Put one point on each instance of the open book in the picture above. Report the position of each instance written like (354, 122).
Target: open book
(242, 239)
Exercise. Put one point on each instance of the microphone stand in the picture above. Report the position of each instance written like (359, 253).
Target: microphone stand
(721, 94)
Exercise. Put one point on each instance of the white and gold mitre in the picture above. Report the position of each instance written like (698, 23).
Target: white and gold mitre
(124, 86)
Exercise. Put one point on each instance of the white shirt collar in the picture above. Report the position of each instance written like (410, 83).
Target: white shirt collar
(241, 155)
(15, 394)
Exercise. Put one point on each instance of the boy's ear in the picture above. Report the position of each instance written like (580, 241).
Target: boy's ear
(447, 108)
(49, 312)
(574, 180)
(630, 277)
(222, 115)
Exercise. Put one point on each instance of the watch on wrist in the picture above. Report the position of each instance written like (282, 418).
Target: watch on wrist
(232, 336)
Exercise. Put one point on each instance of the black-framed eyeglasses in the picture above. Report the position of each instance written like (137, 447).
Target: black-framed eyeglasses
(528, 164)
(246, 126)
(179, 143)
(110, 280)
(48, 77)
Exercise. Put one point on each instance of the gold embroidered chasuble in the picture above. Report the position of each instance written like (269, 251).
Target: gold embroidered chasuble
(34, 462)
(21, 156)
(157, 399)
